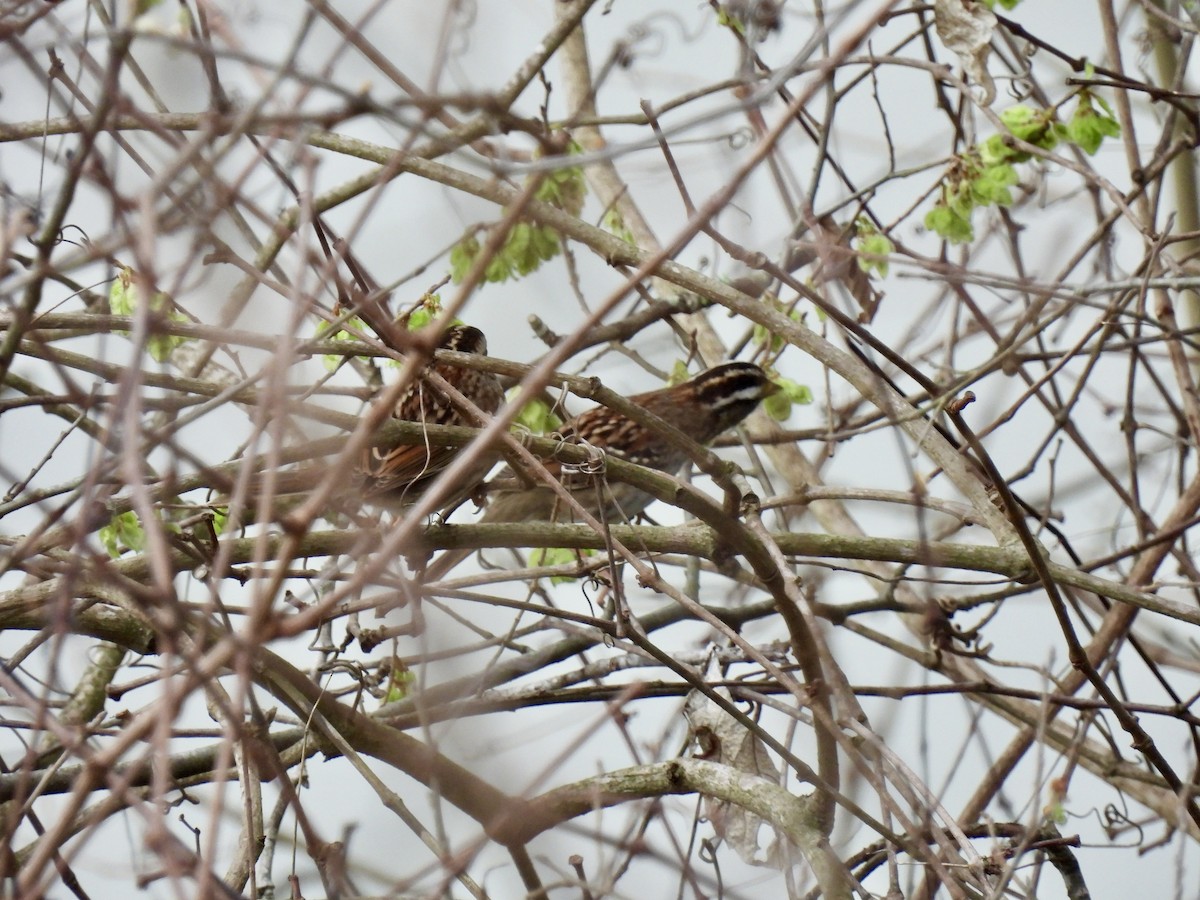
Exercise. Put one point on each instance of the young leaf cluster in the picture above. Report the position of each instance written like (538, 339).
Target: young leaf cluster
(123, 300)
(558, 556)
(779, 405)
(873, 247)
(763, 336)
(969, 183)
(614, 223)
(357, 328)
(1089, 126)
(400, 682)
(528, 244)
(124, 532)
(536, 416)
(428, 308)
(983, 175)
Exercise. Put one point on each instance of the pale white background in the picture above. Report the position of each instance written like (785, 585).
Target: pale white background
(410, 224)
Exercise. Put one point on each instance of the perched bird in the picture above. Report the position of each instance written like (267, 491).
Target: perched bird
(703, 408)
(394, 477)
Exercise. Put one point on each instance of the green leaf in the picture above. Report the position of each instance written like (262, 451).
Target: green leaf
(1084, 131)
(536, 415)
(1034, 126)
(779, 405)
(399, 683)
(961, 200)
(1023, 121)
(1108, 110)
(520, 241)
(937, 220)
(123, 298)
(159, 346)
(430, 309)
(871, 243)
(951, 225)
(565, 188)
(332, 360)
(994, 150)
(992, 185)
(543, 247)
(679, 373)
(527, 245)
(794, 391)
(726, 19)
(123, 533)
(984, 174)
(765, 338)
(462, 256)
(615, 224)
(1056, 813)
(557, 556)
(1088, 127)
(498, 270)
(525, 249)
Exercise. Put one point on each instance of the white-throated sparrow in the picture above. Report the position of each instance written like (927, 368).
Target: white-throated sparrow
(394, 477)
(702, 408)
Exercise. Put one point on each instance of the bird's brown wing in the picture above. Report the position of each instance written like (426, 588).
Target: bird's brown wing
(391, 469)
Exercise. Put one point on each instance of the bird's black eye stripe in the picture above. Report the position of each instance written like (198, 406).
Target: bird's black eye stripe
(733, 383)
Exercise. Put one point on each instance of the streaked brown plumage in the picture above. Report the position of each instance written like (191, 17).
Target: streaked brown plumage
(702, 408)
(394, 477)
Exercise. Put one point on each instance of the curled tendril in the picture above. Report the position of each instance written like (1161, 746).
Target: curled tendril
(1116, 821)
(1020, 88)
(586, 587)
(595, 464)
(651, 27)
(644, 42)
